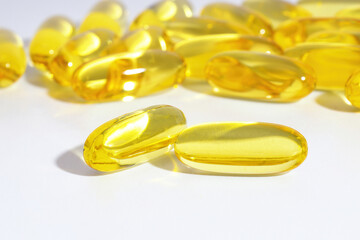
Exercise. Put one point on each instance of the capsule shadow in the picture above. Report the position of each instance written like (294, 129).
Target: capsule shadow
(335, 101)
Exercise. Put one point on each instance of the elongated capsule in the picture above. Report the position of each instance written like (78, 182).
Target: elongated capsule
(332, 63)
(128, 75)
(241, 148)
(49, 38)
(277, 11)
(108, 14)
(163, 11)
(259, 76)
(133, 138)
(78, 50)
(198, 51)
(333, 37)
(239, 15)
(12, 58)
(326, 8)
(353, 12)
(352, 89)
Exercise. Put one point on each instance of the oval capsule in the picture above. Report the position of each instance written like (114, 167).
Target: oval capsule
(241, 148)
(333, 63)
(326, 8)
(353, 12)
(352, 89)
(259, 76)
(198, 51)
(128, 75)
(239, 15)
(12, 58)
(133, 138)
(333, 37)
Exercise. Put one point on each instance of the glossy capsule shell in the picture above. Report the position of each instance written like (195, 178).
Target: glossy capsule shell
(352, 89)
(333, 37)
(108, 14)
(49, 38)
(241, 148)
(333, 63)
(259, 76)
(12, 58)
(133, 138)
(326, 8)
(353, 12)
(239, 15)
(78, 50)
(128, 75)
(198, 51)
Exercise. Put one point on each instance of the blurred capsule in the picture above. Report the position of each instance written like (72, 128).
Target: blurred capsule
(352, 89)
(333, 37)
(327, 8)
(353, 12)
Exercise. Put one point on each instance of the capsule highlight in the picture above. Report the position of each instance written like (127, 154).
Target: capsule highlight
(327, 8)
(352, 89)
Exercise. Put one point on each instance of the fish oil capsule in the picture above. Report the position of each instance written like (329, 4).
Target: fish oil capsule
(163, 11)
(333, 37)
(294, 32)
(78, 50)
(239, 15)
(327, 8)
(241, 148)
(128, 75)
(277, 11)
(12, 58)
(133, 138)
(333, 63)
(259, 76)
(352, 89)
(353, 12)
(109, 14)
(51, 35)
(198, 51)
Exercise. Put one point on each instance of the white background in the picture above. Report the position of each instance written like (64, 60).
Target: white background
(46, 192)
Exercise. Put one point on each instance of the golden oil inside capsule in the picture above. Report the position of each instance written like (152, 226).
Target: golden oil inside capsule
(51, 35)
(259, 76)
(109, 14)
(133, 138)
(277, 11)
(327, 8)
(333, 63)
(239, 15)
(128, 75)
(241, 148)
(12, 58)
(333, 37)
(198, 51)
(353, 12)
(352, 89)
(78, 50)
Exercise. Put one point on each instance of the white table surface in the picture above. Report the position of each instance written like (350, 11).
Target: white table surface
(46, 192)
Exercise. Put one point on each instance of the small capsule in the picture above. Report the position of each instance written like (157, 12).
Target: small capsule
(241, 148)
(134, 138)
(239, 15)
(333, 63)
(51, 35)
(326, 8)
(259, 76)
(353, 12)
(352, 89)
(12, 58)
(277, 11)
(128, 75)
(198, 51)
(78, 50)
(109, 14)
(333, 37)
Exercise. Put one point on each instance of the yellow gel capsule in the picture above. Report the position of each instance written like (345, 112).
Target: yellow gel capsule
(353, 12)
(109, 14)
(128, 75)
(333, 63)
(294, 32)
(241, 148)
(133, 138)
(352, 89)
(198, 51)
(51, 35)
(239, 15)
(327, 8)
(12, 58)
(333, 37)
(162, 11)
(259, 76)
(78, 50)
(277, 11)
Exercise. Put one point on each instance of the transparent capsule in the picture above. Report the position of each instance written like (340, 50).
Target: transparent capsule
(133, 138)
(352, 89)
(239, 15)
(163, 11)
(51, 35)
(12, 58)
(78, 50)
(108, 14)
(241, 148)
(198, 51)
(259, 76)
(333, 37)
(277, 11)
(333, 63)
(128, 75)
(294, 32)
(353, 12)
(327, 8)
